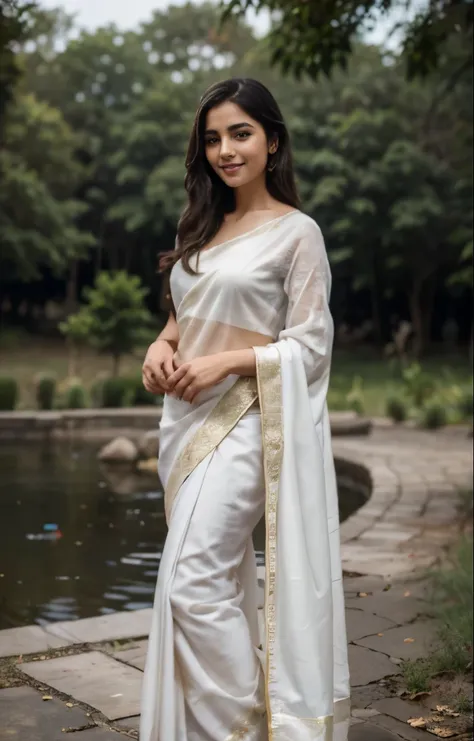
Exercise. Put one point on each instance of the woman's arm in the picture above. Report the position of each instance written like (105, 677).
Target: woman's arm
(170, 332)
(240, 362)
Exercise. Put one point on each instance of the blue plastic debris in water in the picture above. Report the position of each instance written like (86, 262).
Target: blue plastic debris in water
(50, 526)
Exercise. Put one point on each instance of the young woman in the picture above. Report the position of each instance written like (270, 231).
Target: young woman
(244, 365)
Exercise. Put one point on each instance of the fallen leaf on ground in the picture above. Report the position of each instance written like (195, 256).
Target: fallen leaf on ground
(417, 695)
(47, 697)
(380, 635)
(417, 722)
(69, 704)
(362, 594)
(446, 710)
(407, 594)
(409, 640)
(442, 732)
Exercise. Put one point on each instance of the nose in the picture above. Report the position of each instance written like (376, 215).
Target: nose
(227, 150)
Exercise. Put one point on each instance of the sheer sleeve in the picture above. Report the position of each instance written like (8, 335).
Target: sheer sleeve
(308, 286)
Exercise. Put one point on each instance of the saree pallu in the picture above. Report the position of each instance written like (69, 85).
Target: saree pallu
(252, 446)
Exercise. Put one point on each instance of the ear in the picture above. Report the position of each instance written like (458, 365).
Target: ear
(273, 145)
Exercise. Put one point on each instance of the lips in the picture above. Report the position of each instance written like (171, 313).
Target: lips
(231, 168)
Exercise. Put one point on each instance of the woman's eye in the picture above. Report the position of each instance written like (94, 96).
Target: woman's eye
(243, 134)
(211, 141)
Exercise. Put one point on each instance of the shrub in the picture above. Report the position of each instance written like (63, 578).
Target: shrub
(355, 397)
(465, 405)
(75, 396)
(434, 415)
(8, 393)
(419, 386)
(138, 395)
(45, 391)
(115, 392)
(397, 408)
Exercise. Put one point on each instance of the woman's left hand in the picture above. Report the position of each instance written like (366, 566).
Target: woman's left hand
(196, 375)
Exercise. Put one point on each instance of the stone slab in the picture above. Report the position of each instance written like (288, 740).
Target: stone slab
(368, 732)
(114, 627)
(133, 723)
(29, 640)
(95, 734)
(25, 716)
(93, 678)
(406, 642)
(399, 729)
(368, 666)
(392, 605)
(399, 709)
(135, 655)
(360, 624)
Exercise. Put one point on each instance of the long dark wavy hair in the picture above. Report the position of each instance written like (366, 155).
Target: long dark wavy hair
(209, 198)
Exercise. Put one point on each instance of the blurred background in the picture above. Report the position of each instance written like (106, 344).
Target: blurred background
(97, 102)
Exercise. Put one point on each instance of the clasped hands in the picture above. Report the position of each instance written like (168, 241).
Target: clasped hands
(164, 374)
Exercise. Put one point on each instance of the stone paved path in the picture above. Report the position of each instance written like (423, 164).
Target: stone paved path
(81, 680)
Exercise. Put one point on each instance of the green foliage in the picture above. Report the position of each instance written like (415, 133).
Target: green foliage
(8, 393)
(355, 397)
(313, 38)
(45, 391)
(465, 405)
(115, 316)
(396, 408)
(75, 396)
(138, 395)
(434, 415)
(115, 392)
(418, 385)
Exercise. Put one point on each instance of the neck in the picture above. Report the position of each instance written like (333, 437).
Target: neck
(252, 197)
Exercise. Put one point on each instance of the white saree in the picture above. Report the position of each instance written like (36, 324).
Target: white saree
(247, 447)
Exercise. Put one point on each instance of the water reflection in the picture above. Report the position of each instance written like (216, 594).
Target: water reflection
(111, 533)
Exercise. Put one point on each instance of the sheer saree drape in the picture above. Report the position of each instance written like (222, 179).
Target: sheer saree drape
(248, 446)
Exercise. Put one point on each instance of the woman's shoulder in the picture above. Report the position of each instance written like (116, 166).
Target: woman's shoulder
(305, 224)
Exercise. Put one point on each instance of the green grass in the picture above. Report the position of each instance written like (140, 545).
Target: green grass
(452, 607)
(379, 378)
(24, 357)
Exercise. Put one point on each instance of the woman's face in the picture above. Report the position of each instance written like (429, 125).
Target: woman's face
(236, 145)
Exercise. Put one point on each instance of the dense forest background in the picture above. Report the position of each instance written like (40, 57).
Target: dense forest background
(94, 127)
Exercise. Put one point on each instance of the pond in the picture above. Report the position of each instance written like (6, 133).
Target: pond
(78, 540)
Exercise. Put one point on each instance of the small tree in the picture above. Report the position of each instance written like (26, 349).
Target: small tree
(76, 328)
(114, 320)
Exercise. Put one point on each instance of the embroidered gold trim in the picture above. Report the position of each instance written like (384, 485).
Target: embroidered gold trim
(247, 724)
(223, 417)
(269, 391)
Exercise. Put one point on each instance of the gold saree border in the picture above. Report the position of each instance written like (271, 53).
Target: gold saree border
(271, 405)
(230, 408)
(270, 395)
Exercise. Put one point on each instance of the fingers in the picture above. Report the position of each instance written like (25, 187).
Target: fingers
(154, 381)
(178, 376)
(168, 367)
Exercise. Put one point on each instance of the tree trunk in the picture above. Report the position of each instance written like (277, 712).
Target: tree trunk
(116, 365)
(421, 301)
(374, 300)
(71, 289)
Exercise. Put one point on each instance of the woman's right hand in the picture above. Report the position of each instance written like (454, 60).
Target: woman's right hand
(158, 366)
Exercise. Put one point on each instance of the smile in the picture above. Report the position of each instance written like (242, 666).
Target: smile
(231, 168)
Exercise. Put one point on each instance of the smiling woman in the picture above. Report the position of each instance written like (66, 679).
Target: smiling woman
(244, 364)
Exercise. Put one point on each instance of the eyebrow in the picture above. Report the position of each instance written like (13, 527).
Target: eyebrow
(233, 127)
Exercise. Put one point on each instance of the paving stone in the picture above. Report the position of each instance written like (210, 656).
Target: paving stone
(368, 666)
(92, 678)
(360, 624)
(95, 734)
(364, 713)
(401, 730)
(114, 627)
(133, 723)
(399, 709)
(135, 655)
(25, 716)
(368, 732)
(391, 604)
(28, 640)
(393, 641)
(365, 584)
